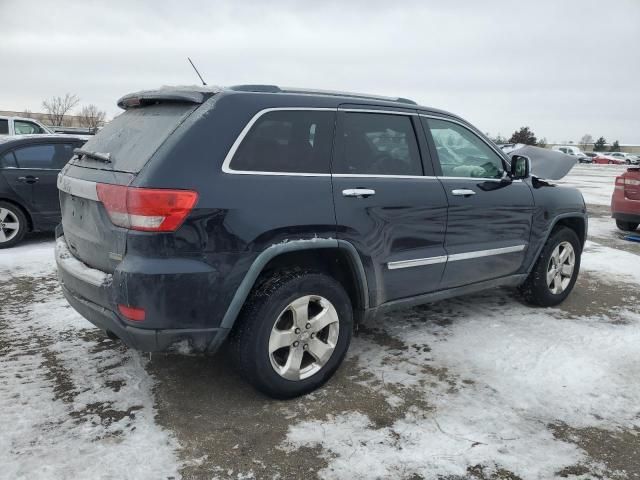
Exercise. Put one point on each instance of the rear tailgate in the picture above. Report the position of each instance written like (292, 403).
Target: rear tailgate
(114, 156)
(91, 236)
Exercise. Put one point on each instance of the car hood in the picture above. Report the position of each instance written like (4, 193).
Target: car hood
(545, 163)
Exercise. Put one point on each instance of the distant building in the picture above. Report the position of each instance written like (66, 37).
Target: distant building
(68, 120)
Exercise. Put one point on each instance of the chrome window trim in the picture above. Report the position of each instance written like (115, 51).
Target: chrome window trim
(31, 168)
(363, 175)
(226, 168)
(226, 164)
(77, 187)
(416, 262)
(499, 152)
(371, 110)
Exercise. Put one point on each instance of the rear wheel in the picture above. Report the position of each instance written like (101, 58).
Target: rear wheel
(627, 226)
(556, 271)
(13, 225)
(293, 333)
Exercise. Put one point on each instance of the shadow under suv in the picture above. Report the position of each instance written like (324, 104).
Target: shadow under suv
(278, 219)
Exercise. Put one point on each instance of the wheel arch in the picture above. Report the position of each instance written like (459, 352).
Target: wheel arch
(337, 257)
(574, 221)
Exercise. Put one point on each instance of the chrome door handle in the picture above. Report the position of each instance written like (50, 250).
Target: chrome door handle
(358, 192)
(28, 179)
(462, 192)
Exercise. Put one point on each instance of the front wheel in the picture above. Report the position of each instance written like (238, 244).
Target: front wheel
(556, 270)
(626, 226)
(293, 333)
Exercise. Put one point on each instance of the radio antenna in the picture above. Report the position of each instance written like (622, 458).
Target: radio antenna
(194, 67)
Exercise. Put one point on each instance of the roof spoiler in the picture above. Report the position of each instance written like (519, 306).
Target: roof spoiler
(188, 94)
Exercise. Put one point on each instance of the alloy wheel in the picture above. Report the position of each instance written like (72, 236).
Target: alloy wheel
(560, 267)
(304, 337)
(9, 225)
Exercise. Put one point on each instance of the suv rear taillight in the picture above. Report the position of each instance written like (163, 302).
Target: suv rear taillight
(146, 209)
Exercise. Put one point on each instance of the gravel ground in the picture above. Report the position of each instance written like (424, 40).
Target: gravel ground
(478, 387)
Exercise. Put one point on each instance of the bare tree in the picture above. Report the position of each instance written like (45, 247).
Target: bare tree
(26, 113)
(91, 116)
(585, 141)
(57, 107)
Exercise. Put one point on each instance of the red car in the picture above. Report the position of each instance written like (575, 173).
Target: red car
(608, 159)
(625, 201)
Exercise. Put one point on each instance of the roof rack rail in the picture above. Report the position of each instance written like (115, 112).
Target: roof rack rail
(303, 91)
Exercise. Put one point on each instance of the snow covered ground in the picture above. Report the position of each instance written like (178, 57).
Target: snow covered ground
(477, 387)
(596, 182)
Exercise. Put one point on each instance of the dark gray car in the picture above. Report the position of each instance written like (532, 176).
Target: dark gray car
(29, 166)
(278, 219)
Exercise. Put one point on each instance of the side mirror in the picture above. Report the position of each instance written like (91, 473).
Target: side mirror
(520, 167)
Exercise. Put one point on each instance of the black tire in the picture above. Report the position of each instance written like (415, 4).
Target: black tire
(9, 236)
(535, 289)
(249, 340)
(627, 226)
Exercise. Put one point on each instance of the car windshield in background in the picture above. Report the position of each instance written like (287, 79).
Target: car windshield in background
(133, 137)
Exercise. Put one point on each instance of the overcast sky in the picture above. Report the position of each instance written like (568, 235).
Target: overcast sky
(563, 67)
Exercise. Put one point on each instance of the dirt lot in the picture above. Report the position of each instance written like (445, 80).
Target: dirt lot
(479, 387)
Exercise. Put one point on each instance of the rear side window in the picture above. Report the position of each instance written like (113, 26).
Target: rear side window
(287, 141)
(4, 127)
(134, 136)
(377, 144)
(8, 160)
(64, 152)
(36, 156)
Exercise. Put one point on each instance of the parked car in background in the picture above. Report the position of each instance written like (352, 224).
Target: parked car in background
(628, 158)
(605, 158)
(29, 166)
(22, 126)
(625, 201)
(305, 213)
(573, 151)
(590, 156)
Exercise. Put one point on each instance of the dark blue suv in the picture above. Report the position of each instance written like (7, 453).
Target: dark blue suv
(278, 219)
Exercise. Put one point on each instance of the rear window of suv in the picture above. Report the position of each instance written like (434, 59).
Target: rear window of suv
(134, 136)
(287, 141)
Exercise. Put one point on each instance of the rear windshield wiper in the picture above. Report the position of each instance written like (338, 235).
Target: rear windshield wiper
(103, 157)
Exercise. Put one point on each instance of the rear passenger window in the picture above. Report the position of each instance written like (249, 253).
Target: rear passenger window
(37, 156)
(287, 141)
(377, 144)
(8, 160)
(4, 127)
(64, 152)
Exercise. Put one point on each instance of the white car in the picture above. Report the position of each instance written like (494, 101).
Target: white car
(22, 126)
(627, 157)
(573, 151)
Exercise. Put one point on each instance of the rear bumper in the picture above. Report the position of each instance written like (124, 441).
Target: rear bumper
(92, 293)
(626, 217)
